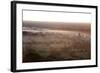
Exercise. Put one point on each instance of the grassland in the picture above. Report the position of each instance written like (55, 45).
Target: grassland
(56, 41)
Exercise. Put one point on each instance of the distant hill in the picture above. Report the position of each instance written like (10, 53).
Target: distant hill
(85, 27)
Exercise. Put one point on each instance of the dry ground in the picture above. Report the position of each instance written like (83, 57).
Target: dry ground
(55, 42)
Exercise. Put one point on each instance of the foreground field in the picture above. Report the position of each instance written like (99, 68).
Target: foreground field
(42, 44)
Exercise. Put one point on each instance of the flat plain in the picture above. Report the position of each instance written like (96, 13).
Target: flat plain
(55, 41)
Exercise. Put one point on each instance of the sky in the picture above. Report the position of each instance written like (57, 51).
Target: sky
(56, 16)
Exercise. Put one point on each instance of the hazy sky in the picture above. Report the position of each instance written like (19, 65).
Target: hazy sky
(56, 16)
